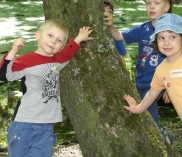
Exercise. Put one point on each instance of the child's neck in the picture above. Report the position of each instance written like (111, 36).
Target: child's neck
(152, 22)
(43, 53)
(174, 58)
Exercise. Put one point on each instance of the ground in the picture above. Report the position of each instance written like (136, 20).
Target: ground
(73, 149)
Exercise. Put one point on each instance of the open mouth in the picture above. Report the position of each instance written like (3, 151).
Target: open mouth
(152, 13)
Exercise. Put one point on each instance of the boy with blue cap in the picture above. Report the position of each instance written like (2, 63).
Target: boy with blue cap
(109, 7)
(167, 39)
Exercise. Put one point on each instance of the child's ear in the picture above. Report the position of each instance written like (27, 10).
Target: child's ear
(37, 35)
(167, 7)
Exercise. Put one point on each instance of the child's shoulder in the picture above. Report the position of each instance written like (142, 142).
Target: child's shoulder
(144, 25)
(26, 55)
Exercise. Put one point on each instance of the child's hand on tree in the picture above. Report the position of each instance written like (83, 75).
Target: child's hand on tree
(83, 35)
(132, 104)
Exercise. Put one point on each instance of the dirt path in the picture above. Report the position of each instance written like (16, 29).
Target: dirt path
(73, 150)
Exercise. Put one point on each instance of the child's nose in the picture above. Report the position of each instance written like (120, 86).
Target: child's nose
(53, 40)
(152, 5)
(166, 41)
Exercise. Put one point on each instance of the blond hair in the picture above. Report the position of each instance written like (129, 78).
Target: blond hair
(57, 23)
(169, 2)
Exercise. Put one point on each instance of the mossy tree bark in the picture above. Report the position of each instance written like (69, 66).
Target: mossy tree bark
(92, 89)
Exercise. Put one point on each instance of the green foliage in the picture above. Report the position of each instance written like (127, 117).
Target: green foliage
(64, 129)
(7, 105)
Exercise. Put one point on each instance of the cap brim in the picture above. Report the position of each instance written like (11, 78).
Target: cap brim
(161, 29)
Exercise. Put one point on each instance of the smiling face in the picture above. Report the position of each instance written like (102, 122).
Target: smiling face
(156, 8)
(170, 44)
(50, 41)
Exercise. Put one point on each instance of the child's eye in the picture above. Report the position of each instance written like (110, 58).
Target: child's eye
(160, 38)
(172, 37)
(109, 11)
(59, 41)
(50, 35)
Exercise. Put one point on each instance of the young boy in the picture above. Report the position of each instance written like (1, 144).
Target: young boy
(148, 59)
(167, 39)
(31, 131)
(109, 7)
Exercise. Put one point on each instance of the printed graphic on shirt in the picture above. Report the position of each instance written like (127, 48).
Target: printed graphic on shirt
(51, 85)
(176, 73)
(149, 50)
(154, 60)
(166, 81)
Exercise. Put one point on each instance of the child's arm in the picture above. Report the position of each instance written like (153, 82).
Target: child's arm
(8, 58)
(121, 50)
(73, 46)
(147, 101)
(83, 35)
(114, 32)
(17, 45)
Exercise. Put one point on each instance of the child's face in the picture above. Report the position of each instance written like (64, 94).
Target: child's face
(50, 41)
(156, 8)
(170, 44)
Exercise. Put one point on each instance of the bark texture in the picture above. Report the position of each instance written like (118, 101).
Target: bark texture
(92, 89)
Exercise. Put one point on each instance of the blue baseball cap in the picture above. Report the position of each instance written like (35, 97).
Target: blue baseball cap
(110, 3)
(166, 22)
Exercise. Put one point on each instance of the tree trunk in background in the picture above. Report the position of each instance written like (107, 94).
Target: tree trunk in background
(92, 89)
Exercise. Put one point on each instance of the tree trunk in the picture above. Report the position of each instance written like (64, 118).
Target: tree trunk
(92, 89)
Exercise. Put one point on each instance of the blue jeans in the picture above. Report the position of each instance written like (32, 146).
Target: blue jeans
(30, 139)
(153, 109)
